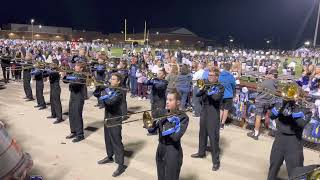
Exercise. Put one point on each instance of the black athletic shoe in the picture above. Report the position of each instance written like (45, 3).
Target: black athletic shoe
(72, 135)
(119, 171)
(78, 139)
(106, 160)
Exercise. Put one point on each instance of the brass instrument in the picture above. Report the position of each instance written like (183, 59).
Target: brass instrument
(91, 82)
(289, 91)
(151, 75)
(201, 84)
(147, 119)
(312, 174)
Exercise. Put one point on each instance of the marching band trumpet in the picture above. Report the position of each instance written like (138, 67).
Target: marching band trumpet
(201, 84)
(151, 75)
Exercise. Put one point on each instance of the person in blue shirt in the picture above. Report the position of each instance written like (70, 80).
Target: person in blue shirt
(229, 83)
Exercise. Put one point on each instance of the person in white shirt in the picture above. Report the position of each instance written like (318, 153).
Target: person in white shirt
(156, 67)
(196, 100)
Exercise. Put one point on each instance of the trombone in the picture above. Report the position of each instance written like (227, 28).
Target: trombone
(147, 119)
(91, 82)
(201, 84)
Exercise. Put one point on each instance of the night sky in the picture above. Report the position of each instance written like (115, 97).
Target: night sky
(286, 22)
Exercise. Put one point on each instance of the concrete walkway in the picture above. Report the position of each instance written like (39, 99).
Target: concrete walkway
(56, 158)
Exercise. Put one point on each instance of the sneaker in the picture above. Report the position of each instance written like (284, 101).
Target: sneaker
(221, 126)
(139, 98)
(251, 134)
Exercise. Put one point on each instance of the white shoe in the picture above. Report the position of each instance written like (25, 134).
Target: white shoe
(139, 98)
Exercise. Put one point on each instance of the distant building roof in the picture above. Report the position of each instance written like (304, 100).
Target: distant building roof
(173, 30)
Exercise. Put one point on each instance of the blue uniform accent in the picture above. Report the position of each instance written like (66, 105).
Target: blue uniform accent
(275, 112)
(109, 95)
(314, 132)
(213, 90)
(71, 78)
(175, 129)
(34, 72)
(298, 115)
(100, 67)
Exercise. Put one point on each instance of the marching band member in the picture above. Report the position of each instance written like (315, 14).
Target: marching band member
(209, 118)
(27, 77)
(169, 153)
(113, 100)
(287, 146)
(123, 70)
(100, 74)
(76, 102)
(158, 92)
(55, 91)
(5, 64)
(38, 75)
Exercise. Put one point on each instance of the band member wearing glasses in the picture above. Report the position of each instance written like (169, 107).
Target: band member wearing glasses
(112, 98)
(211, 97)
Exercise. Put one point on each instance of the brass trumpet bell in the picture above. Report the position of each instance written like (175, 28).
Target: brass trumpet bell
(151, 75)
(290, 91)
(147, 120)
(201, 84)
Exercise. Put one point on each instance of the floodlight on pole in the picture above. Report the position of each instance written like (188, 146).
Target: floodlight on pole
(32, 21)
(317, 26)
(307, 43)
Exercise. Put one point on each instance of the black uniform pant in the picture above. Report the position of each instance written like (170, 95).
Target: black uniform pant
(75, 115)
(113, 142)
(17, 73)
(6, 73)
(288, 148)
(211, 128)
(169, 161)
(39, 93)
(55, 91)
(26, 84)
(124, 106)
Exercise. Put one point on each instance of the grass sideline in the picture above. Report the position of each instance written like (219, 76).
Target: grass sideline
(117, 52)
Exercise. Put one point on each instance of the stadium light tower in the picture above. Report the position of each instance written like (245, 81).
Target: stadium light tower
(32, 21)
(317, 26)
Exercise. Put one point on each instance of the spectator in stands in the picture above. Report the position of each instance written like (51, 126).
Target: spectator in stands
(196, 100)
(171, 77)
(264, 101)
(229, 83)
(184, 85)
